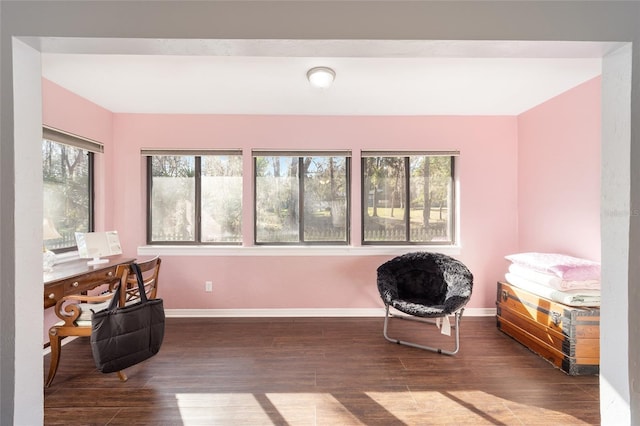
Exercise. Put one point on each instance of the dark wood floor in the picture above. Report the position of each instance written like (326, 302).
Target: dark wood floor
(320, 371)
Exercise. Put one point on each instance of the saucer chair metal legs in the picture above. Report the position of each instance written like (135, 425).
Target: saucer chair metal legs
(425, 287)
(456, 326)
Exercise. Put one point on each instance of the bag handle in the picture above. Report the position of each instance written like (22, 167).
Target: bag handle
(143, 295)
(138, 272)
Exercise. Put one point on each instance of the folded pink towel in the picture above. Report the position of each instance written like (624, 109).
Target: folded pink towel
(566, 267)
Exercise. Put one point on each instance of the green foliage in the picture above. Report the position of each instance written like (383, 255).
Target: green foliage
(174, 206)
(65, 172)
(280, 181)
(385, 179)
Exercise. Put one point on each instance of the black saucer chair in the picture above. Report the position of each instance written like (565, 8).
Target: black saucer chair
(427, 287)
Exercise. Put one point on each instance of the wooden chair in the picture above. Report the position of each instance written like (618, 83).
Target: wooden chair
(75, 311)
(150, 270)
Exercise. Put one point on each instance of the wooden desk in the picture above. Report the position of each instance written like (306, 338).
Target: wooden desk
(76, 277)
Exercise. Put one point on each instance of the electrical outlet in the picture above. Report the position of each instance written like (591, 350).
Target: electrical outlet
(208, 286)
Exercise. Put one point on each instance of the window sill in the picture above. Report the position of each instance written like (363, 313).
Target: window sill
(153, 250)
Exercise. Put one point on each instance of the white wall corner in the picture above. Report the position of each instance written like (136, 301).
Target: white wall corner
(29, 318)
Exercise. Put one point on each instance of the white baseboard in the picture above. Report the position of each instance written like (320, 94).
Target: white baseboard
(292, 313)
(480, 312)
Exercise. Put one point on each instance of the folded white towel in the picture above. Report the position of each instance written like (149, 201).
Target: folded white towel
(552, 280)
(570, 298)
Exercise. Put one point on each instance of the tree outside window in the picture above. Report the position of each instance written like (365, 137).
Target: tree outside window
(407, 199)
(67, 188)
(195, 199)
(301, 199)
(221, 198)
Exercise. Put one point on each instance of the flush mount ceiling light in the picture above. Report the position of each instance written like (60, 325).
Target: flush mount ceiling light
(321, 77)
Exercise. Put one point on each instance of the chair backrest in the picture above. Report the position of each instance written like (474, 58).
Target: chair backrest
(150, 271)
(430, 277)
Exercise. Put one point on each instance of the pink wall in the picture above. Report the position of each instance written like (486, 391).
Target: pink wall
(559, 174)
(525, 183)
(487, 181)
(64, 110)
(67, 111)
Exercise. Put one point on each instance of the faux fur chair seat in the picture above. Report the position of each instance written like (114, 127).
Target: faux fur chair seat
(425, 284)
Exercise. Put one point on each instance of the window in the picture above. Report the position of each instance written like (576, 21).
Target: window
(300, 197)
(316, 184)
(407, 198)
(67, 171)
(194, 198)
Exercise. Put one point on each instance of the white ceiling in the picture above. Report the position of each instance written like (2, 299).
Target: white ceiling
(269, 76)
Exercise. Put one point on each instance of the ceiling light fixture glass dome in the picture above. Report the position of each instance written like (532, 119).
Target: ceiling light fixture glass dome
(321, 77)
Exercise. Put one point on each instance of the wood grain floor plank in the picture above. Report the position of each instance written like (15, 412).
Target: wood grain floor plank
(320, 371)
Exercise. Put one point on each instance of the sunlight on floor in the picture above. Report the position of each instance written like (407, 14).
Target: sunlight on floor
(466, 407)
(196, 408)
(455, 407)
(245, 408)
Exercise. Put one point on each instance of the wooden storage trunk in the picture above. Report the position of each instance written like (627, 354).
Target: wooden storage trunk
(566, 336)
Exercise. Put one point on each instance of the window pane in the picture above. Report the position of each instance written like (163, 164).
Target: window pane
(277, 200)
(325, 199)
(173, 198)
(384, 199)
(429, 218)
(221, 198)
(67, 194)
(431, 199)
